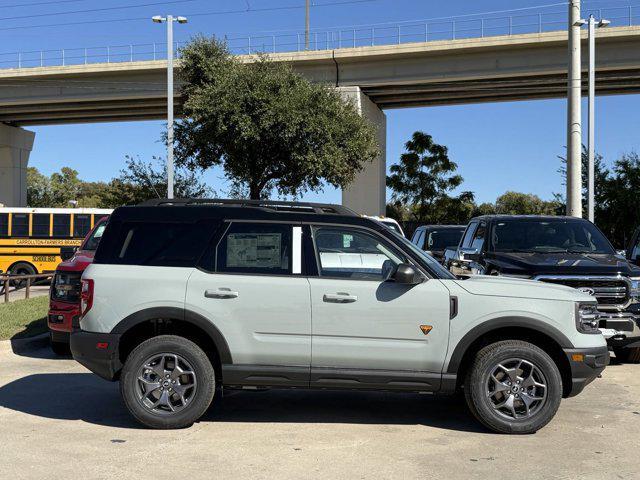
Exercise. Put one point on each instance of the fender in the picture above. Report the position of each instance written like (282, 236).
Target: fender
(502, 322)
(179, 314)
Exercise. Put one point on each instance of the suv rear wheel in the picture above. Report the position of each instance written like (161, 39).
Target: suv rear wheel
(513, 387)
(167, 382)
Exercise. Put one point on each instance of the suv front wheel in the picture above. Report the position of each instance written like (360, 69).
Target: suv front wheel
(513, 386)
(167, 382)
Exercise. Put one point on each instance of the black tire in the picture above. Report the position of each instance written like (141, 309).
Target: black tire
(60, 348)
(476, 387)
(627, 355)
(202, 394)
(21, 268)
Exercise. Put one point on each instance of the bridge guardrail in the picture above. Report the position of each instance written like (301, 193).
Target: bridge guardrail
(330, 39)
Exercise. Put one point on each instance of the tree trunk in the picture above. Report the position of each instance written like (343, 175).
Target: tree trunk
(254, 191)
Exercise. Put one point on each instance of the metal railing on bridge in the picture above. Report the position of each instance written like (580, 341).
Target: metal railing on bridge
(330, 39)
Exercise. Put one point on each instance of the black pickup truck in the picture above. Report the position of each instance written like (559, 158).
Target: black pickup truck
(633, 251)
(564, 250)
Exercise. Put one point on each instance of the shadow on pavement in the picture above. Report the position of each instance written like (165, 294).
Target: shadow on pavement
(83, 396)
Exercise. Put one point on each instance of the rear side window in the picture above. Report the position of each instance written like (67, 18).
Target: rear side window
(40, 224)
(156, 244)
(20, 225)
(81, 225)
(4, 224)
(260, 248)
(61, 225)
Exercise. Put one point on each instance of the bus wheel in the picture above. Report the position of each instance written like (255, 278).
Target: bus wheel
(21, 268)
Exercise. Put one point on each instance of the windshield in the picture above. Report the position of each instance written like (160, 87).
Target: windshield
(549, 236)
(92, 241)
(436, 268)
(443, 238)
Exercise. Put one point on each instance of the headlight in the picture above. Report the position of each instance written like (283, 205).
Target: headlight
(635, 289)
(587, 317)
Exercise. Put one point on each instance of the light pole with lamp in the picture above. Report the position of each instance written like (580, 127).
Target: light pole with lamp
(169, 19)
(592, 93)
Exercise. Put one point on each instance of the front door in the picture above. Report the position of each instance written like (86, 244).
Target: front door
(367, 331)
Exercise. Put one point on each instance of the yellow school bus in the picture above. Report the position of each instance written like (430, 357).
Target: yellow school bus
(31, 238)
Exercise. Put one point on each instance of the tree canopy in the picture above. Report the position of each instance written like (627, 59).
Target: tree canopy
(424, 178)
(267, 127)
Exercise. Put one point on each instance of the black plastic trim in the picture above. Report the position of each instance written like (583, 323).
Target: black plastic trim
(266, 376)
(355, 378)
(503, 322)
(584, 372)
(103, 362)
(178, 314)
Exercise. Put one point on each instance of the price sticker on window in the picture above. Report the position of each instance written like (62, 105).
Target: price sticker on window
(346, 240)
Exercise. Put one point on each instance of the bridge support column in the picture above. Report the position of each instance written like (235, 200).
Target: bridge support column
(367, 194)
(15, 147)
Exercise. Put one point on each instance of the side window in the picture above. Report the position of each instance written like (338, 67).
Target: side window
(164, 244)
(20, 225)
(635, 250)
(260, 248)
(4, 224)
(81, 225)
(354, 254)
(468, 234)
(418, 239)
(478, 237)
(40, 224)
(61, 225)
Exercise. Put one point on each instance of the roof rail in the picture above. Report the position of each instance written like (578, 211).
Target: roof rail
(301, 207)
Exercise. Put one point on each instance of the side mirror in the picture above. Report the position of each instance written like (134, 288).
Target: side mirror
(405, 274)
(469, 254)
(67, 252)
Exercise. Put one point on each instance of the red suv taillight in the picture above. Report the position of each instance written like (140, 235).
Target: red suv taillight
(86, 296)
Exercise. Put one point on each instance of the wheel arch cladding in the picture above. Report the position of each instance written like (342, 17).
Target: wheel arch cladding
(550, 339)
(162, 320)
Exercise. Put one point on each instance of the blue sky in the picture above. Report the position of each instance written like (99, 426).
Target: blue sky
(498, 147)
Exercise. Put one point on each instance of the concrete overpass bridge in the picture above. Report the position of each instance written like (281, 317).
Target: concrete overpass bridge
(471, 70)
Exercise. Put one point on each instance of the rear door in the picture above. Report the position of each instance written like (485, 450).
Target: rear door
(368, 332)
(251, 287)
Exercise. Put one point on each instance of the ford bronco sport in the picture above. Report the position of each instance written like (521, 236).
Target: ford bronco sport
(185, 296)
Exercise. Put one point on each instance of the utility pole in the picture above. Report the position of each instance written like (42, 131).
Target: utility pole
(591, 129)
(574, 127)
(306, 25)
(169, 19)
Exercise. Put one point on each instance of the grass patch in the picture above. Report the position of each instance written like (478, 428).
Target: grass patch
(23, 318)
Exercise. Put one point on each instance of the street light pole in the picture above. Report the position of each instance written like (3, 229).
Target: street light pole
(306, 25)
(574, 127)
(169, 19)
(592, 93)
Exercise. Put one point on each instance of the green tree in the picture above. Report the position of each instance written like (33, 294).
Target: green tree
(38, 189)
(423, 179)
(140, 181)
(516, 203)
(266, 126)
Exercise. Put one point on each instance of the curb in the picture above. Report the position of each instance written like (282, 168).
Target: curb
(22, 345)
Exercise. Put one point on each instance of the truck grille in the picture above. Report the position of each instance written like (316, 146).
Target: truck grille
(611, 292)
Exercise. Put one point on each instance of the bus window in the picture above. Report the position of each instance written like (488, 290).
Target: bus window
(4, 225)
(40, 225)
(61, 225)
(81, 225)
(20, 225)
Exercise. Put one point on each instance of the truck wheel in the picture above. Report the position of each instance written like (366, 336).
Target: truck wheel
(60, 348)
(627, 355)
(513, 386)
(167, 382)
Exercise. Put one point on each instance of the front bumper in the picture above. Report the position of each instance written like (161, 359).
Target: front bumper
(586, 365)
(98, 352)
(620, 329)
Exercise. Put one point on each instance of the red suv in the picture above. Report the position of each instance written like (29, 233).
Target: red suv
(64, 299)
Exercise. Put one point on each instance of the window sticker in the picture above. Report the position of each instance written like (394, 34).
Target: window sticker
(346, 240)
(258, 250)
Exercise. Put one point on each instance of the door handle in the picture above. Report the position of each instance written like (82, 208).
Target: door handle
(220, 293)
(340, 297)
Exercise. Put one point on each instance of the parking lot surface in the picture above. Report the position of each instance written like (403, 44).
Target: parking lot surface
(60, 421)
